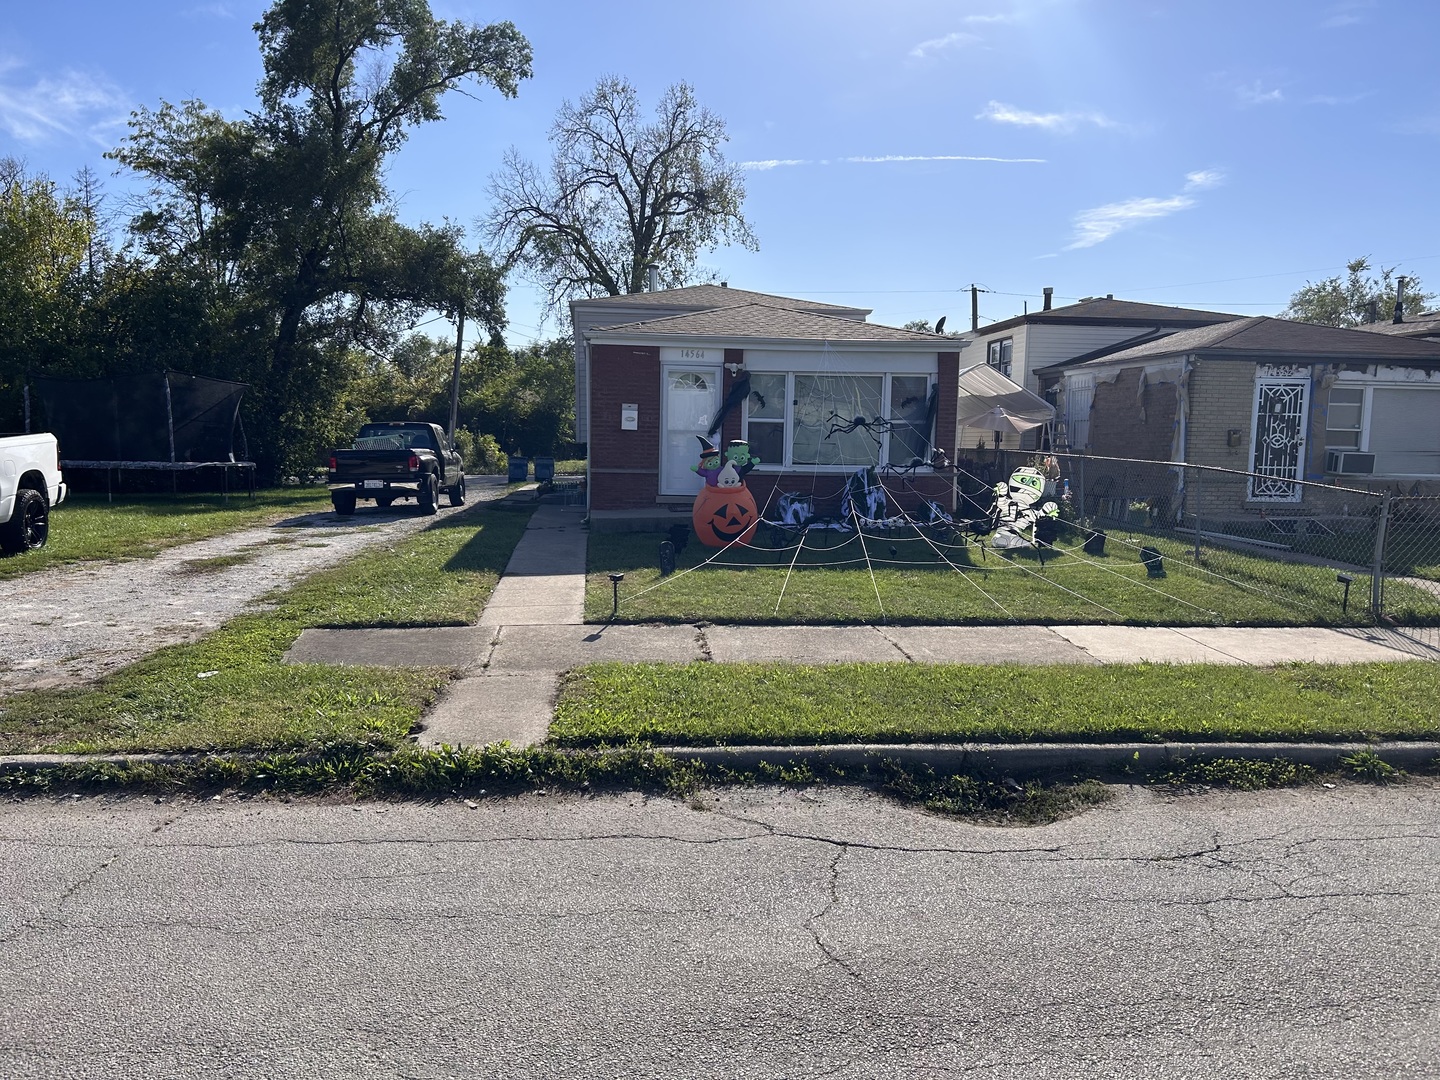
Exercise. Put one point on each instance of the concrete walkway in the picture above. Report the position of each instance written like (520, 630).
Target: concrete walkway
(532, 631)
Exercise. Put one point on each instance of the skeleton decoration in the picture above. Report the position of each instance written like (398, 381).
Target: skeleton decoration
(1018, 509)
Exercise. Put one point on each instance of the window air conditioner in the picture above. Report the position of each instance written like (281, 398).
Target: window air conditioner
(1349, 462)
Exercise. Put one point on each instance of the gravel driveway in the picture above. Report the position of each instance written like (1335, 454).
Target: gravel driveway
(74, 624)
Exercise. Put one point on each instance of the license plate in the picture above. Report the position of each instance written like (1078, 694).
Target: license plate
(374, 483)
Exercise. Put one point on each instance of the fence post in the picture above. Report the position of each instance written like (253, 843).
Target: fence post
(1198, 474)
(1377, 567)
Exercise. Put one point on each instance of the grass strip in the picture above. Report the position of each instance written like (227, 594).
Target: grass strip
(500, 771)
(832, 584)
(704, 704)
(88, 527)
(230, 690)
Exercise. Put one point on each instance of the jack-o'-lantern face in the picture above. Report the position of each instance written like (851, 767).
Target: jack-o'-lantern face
(724, 515)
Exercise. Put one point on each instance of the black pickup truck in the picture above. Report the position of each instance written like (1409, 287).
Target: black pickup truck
(397, 460)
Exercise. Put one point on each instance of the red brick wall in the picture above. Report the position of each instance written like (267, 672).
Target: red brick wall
(624, 465)
(949, 380)
(1118, 428)
(731, 428)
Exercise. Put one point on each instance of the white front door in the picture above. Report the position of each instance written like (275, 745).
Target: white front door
(690, 401)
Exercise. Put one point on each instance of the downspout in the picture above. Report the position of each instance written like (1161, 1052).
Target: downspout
(1182, 436)
(589, 425)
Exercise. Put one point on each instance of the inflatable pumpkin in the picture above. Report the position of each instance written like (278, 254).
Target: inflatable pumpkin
(723, 515)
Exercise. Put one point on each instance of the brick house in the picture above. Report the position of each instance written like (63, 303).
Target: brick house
(1287, 400)
(777, 371)
(1021, 346)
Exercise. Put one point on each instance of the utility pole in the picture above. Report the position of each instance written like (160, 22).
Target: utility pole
(455, 376)
(974, 308)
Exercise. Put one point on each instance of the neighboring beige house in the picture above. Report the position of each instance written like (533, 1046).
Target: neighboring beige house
(1286, 400)
(1019, 347)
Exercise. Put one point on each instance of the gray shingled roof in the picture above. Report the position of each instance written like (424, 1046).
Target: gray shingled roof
(1266, 336)
(767, 321)
(1413, 326)
(716, 296)
(1102, 311)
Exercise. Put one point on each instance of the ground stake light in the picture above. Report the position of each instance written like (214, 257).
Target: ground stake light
(615, 580)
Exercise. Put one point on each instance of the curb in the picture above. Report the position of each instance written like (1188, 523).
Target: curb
(1107, 759)
(1005, 759)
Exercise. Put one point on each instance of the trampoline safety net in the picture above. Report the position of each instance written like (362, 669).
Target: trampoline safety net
(132, 418)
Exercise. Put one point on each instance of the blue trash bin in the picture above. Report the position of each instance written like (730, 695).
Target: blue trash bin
(519, 466)
(544, 469)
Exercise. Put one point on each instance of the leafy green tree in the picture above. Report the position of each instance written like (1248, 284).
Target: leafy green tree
(45, 237)
(524, 398)
(620, 194)
(283, 219)
(1348, 301)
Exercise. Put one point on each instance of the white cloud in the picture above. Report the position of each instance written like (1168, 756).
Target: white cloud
(882, 159)
(1256, 94)
(946, 157)
(1000, 113)
(72, 103)
(1099, 224)
(959, 39)
(772, 163)
(1346, 13)
(988, 19)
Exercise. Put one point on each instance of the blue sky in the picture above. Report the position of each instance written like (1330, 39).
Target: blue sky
(1213, 154)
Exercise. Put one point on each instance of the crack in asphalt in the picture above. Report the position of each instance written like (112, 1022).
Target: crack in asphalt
(811, 924)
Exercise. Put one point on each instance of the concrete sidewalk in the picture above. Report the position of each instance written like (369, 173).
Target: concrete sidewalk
(532, 631)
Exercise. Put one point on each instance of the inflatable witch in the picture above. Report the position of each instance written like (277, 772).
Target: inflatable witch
(724, 509)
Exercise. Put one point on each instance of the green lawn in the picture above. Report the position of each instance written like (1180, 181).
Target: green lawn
(231, 691)
(704, 704)
(917, 582)
(86, 527)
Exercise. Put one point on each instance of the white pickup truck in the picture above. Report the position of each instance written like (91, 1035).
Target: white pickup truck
(30, 484)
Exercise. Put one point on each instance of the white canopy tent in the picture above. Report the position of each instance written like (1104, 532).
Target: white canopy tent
(993, 403)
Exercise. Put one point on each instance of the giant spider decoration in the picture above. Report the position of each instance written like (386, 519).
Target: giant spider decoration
(876, 428)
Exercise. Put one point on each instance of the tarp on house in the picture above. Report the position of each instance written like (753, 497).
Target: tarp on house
(991, 402)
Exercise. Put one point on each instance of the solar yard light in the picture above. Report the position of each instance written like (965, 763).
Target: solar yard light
(615, 580)
(1344, 579)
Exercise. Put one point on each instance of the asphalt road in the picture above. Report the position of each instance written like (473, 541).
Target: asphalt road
(776, 934)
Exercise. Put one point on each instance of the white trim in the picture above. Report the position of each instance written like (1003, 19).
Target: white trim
(939, 345)
(854, 362)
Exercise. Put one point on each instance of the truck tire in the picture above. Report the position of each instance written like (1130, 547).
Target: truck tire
(384, 501)
(344, 502)
(456, 494)
(429, 494)
(29, 524)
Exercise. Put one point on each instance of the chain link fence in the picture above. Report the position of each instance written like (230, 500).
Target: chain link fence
(1340, 555)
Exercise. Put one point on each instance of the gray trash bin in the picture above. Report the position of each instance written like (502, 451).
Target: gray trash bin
(519, 466)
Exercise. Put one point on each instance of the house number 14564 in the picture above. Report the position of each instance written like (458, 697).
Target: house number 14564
(692, 354)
